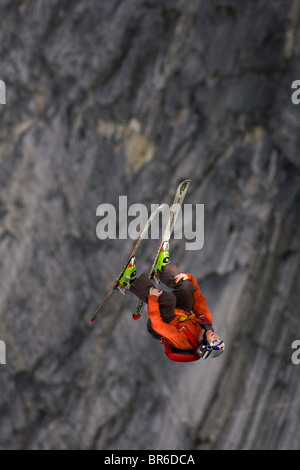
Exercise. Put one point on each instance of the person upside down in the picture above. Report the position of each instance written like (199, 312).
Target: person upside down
(180, 319)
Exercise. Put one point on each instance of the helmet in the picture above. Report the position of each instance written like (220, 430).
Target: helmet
(213, 349)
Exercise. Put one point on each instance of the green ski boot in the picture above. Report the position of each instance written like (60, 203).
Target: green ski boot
(162, 260)
(128, 276)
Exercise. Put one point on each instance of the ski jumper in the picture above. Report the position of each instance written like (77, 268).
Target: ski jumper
(175, 317)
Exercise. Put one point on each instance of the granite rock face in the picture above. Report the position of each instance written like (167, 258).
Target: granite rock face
(127, 98)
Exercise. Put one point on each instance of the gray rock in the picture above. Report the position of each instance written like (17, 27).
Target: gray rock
(128, 98)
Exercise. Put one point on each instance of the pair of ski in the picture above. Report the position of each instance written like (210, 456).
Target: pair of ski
(174, 211)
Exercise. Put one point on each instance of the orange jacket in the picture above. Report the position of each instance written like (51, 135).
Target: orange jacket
(170, 331)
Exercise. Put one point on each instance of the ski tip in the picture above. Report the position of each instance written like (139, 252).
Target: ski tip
(186, 181)
(93, 319)
(136, 317)
(183, 185)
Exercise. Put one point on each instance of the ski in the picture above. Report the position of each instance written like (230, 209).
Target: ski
(174, 211)
(132, 253)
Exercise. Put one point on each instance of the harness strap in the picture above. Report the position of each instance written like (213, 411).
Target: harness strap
(182, 355)
(190, 337)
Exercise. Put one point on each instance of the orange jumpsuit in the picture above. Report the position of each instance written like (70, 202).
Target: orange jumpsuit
(170, 330)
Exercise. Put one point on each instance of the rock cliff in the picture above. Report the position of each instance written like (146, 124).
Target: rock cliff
(114, 98)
